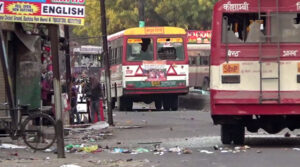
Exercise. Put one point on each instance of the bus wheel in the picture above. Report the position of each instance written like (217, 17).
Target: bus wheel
(238, 136)
(166, 104)
(129, 105)
(226, 134)
(158, 104)
(122, 104)
(174, 103)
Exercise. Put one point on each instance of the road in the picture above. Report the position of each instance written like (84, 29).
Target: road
(189, 130)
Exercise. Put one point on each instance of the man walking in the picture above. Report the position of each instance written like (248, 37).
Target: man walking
(95, 96)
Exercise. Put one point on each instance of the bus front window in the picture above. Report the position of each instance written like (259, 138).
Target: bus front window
(170, 49)
(139, 49)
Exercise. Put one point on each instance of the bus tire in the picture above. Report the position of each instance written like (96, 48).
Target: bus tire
(121, 104)
(238, 136)
(158, 104)
(174, 103)
(129, 105)
(226, 134)
(166, 105)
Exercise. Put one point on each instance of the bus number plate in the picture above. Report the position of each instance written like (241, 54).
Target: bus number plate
(155, 83)
(231, 68)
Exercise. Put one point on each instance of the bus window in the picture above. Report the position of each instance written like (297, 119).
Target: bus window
(139, 49)
(192, 60)
(204, 60)
(243, 28)
(170, 49)
(289, 27)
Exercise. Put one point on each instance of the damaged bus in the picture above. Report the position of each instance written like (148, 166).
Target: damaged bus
(255, 67)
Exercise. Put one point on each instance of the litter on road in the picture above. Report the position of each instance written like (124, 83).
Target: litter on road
(70, 165)
(11, 146)
(206, 152)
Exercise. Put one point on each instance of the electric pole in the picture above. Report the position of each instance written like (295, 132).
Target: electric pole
(141, 13)
(106, 63)
(53, 34)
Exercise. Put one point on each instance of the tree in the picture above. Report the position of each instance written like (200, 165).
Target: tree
(122, 14)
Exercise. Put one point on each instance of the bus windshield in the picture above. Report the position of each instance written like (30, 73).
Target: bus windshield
(289, 27)
(139, 49)
(170, 49)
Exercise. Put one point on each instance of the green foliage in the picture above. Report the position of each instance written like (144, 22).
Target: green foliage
(122, 14)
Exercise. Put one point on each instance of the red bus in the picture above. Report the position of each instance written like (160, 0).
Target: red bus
(148, 65)
(255, 67)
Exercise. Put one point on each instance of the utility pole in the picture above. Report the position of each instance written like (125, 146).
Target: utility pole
(106, 63)
(68, 60)
(53, 34)
(141, 13)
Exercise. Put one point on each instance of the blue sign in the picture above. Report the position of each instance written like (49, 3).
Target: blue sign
(26, 0)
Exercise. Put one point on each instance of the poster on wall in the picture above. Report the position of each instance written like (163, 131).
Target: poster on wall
(68, 12)
(199, 37)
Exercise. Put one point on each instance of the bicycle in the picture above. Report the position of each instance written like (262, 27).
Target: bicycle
(35, 127)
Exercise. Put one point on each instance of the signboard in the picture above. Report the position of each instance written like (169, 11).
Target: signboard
(199, 36)
(71, 12)
(155, 71)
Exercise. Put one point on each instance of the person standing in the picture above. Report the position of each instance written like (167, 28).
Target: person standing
(95, 96)
(74, 112)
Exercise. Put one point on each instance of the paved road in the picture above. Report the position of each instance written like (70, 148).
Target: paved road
(190, 129)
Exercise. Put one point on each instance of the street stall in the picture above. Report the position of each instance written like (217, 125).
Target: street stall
(29, 51)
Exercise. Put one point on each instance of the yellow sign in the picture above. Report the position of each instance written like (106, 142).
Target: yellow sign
(155, 31)
(231, 69)
(135, 40)
(23, 8)
(298, 67)
(173, 40)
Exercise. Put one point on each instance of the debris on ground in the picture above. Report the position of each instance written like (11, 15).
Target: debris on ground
(124, 163)
(216, 147)
(187, 151)
(296, 149)
(206, 152)
(70, 165)
(140, 150)
(99, 125)
(11, 146)
(175, 149)
(128, 127)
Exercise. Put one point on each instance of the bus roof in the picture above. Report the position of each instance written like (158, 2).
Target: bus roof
(252, 5)
(155, 31)
(148, 31)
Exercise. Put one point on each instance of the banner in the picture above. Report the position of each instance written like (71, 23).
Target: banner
(155, 70)
(70, 12)
(199, 36)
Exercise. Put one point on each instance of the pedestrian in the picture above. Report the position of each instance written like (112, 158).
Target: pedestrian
(45, 91)
(74, 95)
(95, 95)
